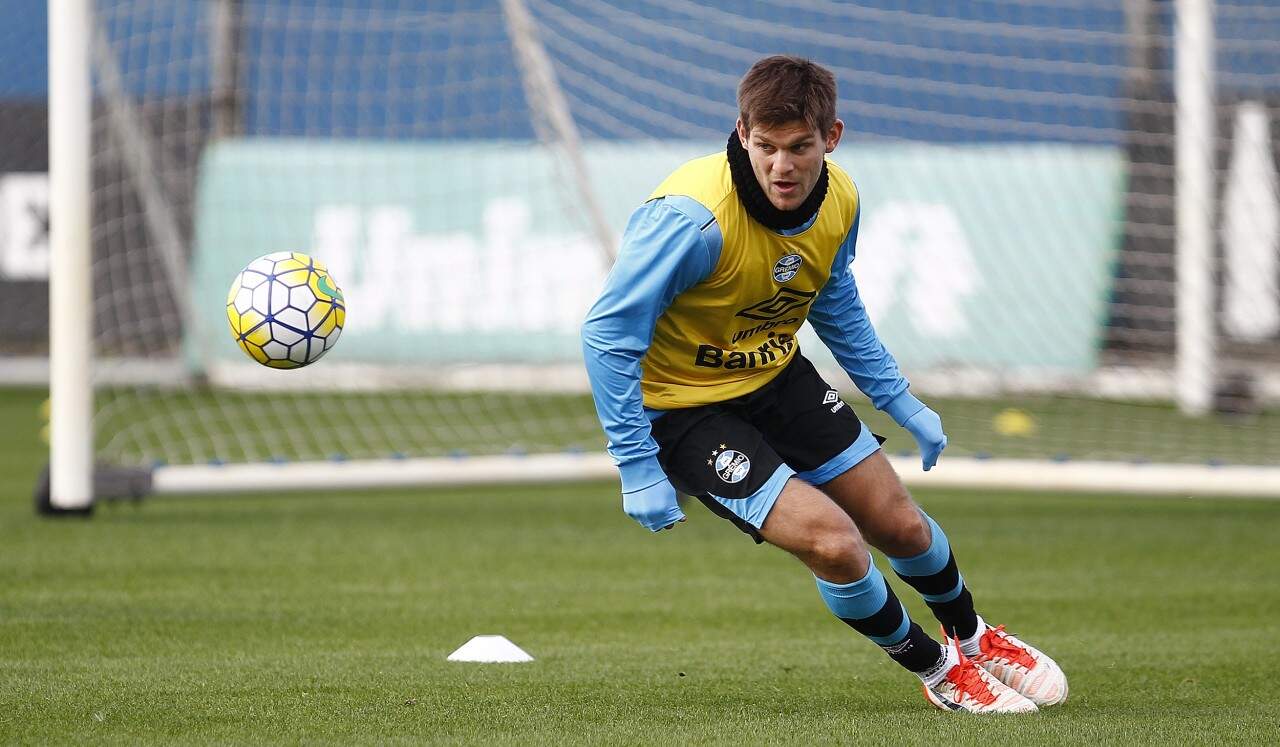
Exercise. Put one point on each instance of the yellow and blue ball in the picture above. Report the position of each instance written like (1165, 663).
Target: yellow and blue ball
(285, 310)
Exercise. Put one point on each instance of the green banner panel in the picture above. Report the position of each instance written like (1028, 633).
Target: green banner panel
(991, 255)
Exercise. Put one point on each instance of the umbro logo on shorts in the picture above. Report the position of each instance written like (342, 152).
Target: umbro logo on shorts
(832, 397)
(731, 466)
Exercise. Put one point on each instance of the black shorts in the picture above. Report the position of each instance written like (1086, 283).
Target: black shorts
(731, 449)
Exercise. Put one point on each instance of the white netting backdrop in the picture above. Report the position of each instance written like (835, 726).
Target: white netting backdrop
(1017, 241)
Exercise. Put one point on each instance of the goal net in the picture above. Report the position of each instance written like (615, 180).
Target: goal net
(466, 168)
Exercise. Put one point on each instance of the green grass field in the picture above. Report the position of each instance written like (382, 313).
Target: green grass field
(327, 619)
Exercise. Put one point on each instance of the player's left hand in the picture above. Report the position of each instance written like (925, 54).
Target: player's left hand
(655, 507)
(926, 427)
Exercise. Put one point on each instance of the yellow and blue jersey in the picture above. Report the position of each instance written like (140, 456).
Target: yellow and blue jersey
(704, 304)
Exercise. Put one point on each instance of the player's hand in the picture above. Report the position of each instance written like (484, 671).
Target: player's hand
(655, 507)
(926, 427)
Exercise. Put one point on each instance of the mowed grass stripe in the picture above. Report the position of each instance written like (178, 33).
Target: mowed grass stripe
(327, 618)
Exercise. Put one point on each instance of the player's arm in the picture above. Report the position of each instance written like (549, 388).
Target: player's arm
(841, 321)
(669, 245)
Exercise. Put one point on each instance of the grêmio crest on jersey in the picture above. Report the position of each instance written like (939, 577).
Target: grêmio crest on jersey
(787, 267)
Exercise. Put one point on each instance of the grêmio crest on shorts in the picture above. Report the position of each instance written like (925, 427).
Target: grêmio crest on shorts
(735, 331)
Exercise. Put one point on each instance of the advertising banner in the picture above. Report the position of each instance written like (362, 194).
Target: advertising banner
(983, 255)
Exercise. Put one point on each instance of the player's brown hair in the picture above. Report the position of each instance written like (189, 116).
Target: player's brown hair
(783, 88)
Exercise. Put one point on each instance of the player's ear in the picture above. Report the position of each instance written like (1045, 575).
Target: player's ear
(834, 134)
(742, 132)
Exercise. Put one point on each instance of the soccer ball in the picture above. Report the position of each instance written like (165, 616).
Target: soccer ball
(285, 311)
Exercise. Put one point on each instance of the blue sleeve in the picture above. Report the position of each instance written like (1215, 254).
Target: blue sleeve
(670, 244)
(842, 324)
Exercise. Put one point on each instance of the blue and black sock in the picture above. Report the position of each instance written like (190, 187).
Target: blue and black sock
(934, 574)
(870, 607)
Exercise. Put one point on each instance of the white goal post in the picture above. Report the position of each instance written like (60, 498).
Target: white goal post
(1043, 184)
(70, 295)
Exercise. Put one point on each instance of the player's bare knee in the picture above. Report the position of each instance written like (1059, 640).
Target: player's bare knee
(906, 535)
(838, 554)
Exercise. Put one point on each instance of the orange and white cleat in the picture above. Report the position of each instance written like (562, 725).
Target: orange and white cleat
(969, 688)
(1020, 666)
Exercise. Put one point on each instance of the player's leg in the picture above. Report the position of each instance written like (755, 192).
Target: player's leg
(873, 496)
(804, 522)
(818, 434)
(920, 554)
(821, 437)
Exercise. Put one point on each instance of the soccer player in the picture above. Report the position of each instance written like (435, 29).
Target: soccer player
(700, 386)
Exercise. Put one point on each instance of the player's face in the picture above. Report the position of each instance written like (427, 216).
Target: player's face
(787, 158)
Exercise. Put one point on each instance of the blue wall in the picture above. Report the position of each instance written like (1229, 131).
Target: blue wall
(24, 49)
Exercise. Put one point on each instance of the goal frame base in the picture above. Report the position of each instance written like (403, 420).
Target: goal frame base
(110, 483)
(1191, 480)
